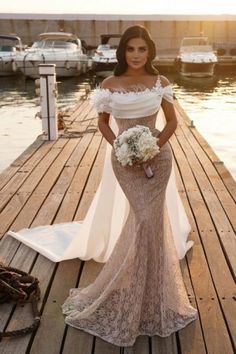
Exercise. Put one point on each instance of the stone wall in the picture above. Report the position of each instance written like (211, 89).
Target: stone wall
(167, 34)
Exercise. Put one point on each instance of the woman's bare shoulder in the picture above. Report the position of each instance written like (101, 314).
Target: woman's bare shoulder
(109, 82)
(164, 81)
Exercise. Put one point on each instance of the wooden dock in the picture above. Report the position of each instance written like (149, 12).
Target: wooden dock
(53, 182)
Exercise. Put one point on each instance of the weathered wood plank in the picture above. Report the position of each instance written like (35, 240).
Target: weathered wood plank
(84, 114)
(52, 320)
(193, 331)
(164, 345)
(223, 226)
(76, 343)
(76, 189)
(102, 347)
(200, 275)
(77, 112)
(191, 338)
(29, 152)
(223, 195)
(225, 175)
(141, 346)
(9, 172)
(27, 172)
(92, 185)
(12, 209)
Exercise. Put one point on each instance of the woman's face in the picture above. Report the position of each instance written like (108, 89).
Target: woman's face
(136, 53)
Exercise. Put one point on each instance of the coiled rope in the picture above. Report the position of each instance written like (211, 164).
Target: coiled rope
(20, 287)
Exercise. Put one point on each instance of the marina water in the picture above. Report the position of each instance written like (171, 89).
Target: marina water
(210, 103)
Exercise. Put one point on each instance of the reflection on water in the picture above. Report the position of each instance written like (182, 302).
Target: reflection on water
(206, 85)
(209, 102)
(18, 107)
(16, 91)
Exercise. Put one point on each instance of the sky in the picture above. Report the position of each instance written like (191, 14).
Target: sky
(212, 7)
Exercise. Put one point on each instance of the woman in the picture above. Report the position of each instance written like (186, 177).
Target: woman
(140, 290)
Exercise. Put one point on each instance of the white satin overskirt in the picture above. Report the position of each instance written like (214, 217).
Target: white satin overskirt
(96, 235)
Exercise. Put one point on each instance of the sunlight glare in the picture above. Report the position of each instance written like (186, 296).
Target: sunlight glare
(121, 7)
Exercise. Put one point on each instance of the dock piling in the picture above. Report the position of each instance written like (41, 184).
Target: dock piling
(48, 94)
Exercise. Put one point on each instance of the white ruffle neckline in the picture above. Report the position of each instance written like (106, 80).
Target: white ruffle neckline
(124, 92)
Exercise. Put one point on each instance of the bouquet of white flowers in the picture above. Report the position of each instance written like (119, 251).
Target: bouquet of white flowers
(136, 144)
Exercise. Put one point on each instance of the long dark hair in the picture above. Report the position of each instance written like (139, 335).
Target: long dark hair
(136, 31)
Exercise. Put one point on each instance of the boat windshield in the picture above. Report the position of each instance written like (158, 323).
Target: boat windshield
(104, 47)
(7, 48)
(194, 41)
(54, 44)
(198, 44)
(7, 45)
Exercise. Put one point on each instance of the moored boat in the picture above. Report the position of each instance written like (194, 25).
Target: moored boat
(104, 58)
(226, 54)
(10, 46)
(196, 57)
(60, 48)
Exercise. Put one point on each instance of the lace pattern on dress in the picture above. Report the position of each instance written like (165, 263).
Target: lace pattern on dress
(140, 290)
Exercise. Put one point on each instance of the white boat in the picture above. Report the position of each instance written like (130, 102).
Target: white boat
(60, 48)
(196, 57)
(10, 46)
(226, 54)
(104, 58)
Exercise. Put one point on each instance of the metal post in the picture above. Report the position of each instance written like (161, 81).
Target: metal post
(48, 93)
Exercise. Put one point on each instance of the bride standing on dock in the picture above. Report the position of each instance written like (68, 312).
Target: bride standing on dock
(140, 290)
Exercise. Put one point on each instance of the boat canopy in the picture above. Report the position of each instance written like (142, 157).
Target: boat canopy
(57, 36)
(54, 44)
(195, 44)
(10, 37)
(189, 41)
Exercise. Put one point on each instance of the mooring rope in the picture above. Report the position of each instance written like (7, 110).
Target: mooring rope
(20, 287)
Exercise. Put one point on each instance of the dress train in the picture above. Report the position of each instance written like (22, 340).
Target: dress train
(96, 235)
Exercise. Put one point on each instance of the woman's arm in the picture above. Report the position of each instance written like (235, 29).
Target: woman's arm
(103, 118)
(171, 119)
(103, 125)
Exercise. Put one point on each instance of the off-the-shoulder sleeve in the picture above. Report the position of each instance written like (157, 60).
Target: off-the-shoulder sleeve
(168, 93)
(101, 100)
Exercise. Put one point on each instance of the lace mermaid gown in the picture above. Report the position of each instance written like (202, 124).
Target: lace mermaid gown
(140, 290)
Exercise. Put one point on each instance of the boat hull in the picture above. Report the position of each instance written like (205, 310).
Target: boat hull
(6, 68)
(7, 72)
(196, 69)
(104, 68)
(64, 68)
